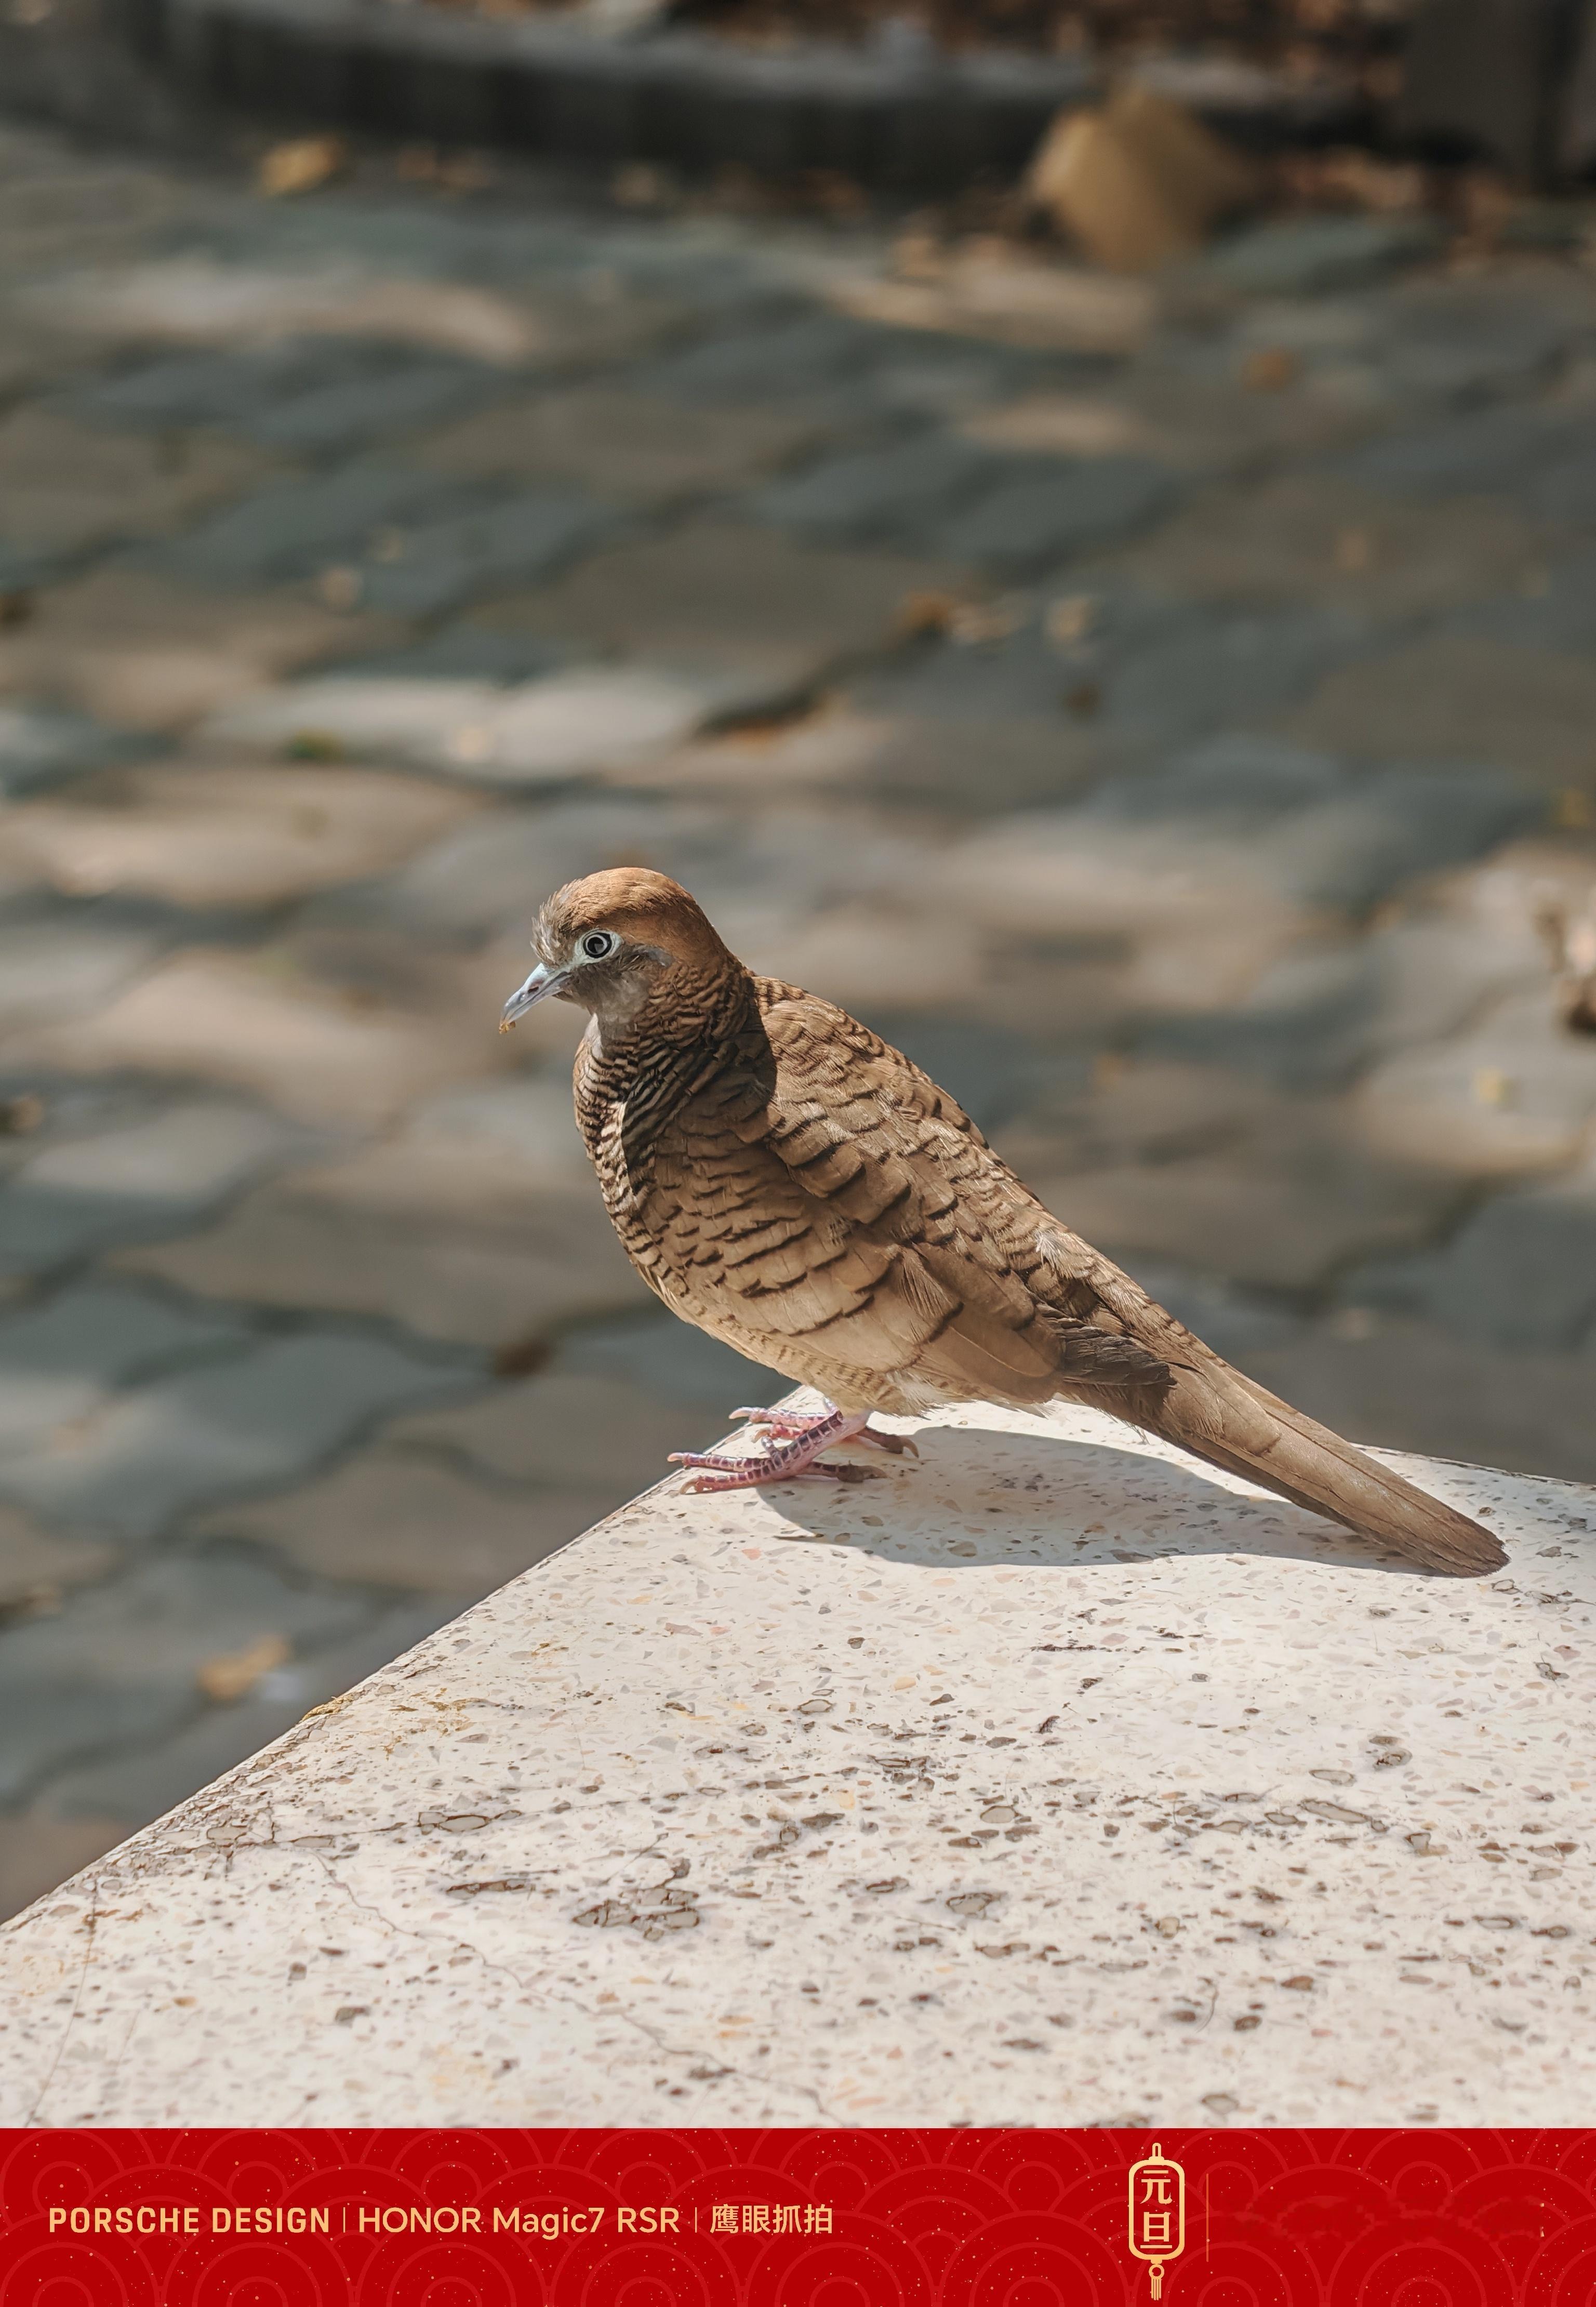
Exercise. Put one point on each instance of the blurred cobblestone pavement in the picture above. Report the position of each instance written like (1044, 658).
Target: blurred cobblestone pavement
(1166, 716)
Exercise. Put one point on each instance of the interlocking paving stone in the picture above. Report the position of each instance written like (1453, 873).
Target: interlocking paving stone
(528, 732)
(168, 1764)
(118, 1668)
(728, 601)
(297, 528)
(632, 448)
(1503, 449)
(584, 1430)
(1455, 697)
(40, 747)
(1521, 1273)
(211, 836)
(57, 969)
(145, 652)
(1409, 1385)
(262, 1418)
(150, 1177)
(1287, 1212)
(327, 1029)
(432, 566)
(1316, 538)
(379, 1520)
(456, 1234)
(877, 492)
(65, 487)
(1151, 674)
(1299, 256)
(1045, 513)
(66, 1358)
(38, 1564)
(1514, 1094)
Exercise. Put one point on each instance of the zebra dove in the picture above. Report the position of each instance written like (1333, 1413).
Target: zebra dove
(786, 1180)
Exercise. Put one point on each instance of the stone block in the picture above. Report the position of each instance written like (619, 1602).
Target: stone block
(875, 493)
(1501, 449)
(257, 1421)
(1349, 853)
(575, 1433)
(35, 1854)
(149, 1177)
(630, 448)
(1308, 256)
(139, 650)
(58, 969)
(669, 1359)
(461, 1233)
(65, 487)
(428, 567)
(729, 603)
(397, 1518)
(790, 358)
(1325, 542)
(239, 301)
(1042, 308)
(1416, 1385)
(566, 725)
(37, 1566)
(1521, 1273)
(1285, 1210)
(134, 1787)
(490, 874)
(326, 1028)
(301, 527)
(1149, 675)
(1514, 1096)
(117, 1668)
(1460, 340)
(278, 387)
(208, 836)
(1195, 423)
(40, 748)
(66, 1358)
(979, 767)
(1044, 513)
(1451, 698)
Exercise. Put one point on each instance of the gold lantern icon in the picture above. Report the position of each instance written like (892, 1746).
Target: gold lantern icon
(1155, 2196)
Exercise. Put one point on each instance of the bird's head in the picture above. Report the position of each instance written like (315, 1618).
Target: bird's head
(610, 943)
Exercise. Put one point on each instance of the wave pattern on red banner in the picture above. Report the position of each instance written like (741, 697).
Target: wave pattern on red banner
(788, 2218)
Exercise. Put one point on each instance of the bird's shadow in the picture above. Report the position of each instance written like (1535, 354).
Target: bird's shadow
(976, 1499)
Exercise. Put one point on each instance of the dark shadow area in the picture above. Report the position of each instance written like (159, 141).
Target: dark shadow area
(999, 1500)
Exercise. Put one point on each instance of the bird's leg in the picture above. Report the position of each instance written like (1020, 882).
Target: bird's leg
(787, 1423)
(797, 1440)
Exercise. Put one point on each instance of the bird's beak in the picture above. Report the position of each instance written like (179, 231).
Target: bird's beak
(538, 987)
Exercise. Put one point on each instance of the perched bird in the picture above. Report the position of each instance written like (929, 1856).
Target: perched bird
(786, 1180)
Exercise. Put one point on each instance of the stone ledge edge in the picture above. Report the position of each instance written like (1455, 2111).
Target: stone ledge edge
(677, 98)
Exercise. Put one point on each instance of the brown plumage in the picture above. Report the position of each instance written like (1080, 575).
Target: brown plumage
(784, 1179)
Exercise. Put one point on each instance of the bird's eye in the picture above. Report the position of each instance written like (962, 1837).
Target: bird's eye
(598, 944)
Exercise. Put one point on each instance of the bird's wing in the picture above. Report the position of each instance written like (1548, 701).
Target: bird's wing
(852, 1206)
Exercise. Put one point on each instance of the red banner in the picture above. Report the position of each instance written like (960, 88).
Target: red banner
(797, 2218)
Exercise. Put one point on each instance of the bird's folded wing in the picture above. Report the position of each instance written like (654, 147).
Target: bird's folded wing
(857, 1206)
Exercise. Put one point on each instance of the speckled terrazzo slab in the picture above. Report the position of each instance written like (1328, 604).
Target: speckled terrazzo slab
(1045, 1779)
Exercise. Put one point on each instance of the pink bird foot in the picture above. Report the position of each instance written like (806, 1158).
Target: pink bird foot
(796, 1439)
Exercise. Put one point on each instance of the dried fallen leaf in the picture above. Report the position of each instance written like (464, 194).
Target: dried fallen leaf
(21, 1116)
(1270, 369)
(301, 165)
(233, 1674)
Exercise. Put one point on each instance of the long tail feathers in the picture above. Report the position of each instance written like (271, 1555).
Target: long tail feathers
(1218, 1415)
